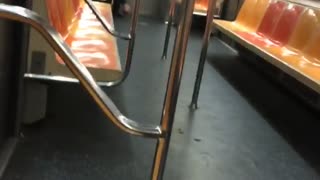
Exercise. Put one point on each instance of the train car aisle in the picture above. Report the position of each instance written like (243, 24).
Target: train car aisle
(246, 128)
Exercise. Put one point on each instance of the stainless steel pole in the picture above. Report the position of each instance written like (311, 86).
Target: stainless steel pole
(169, 25)
(173, 86)
(203, 56)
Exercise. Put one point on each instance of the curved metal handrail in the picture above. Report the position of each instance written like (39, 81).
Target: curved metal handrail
(109, 28)
(29, 17)
(129, 55)
(106, 25)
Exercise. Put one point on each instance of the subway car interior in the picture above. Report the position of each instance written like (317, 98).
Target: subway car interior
(159, 89)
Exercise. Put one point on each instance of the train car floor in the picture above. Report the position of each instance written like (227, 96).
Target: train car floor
(246, 128)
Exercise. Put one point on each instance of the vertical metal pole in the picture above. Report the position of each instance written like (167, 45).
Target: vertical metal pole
(134, 22)
(173, 86)
(22, 35)
(169, 25)
(203, 56)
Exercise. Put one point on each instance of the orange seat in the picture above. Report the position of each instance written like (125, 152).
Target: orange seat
(252, 13)
(286, 24)
(257, 13)
(246, 11)
(269, 23)
(85, 35)
(201, 5)
(309, 20)
(277, 34)
(306, 61)
(309, 60)
(66, 13)
(249, 17)
(288, 36)
(271, 18)
(301, 35)
(302, 50)
(53, 16)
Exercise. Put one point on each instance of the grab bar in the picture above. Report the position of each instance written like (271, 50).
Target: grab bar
(79, 70)
(163, 132)
(106, 25)
(131, 37)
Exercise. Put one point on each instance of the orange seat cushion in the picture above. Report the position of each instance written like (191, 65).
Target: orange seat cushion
(201, 5)
(90, 42)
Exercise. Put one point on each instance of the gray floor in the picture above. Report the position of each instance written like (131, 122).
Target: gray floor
(247, 127)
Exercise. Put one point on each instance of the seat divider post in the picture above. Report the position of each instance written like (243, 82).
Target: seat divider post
(203, 56)
(173, 87)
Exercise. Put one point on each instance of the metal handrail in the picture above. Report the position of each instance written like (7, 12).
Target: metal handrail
(131, 38)
(163, 132)
(79, 70)
(106, 25)
(109, 28)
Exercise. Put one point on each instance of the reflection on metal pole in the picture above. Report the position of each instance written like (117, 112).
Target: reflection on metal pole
(169, 25)
(203, 56)
(173, 86)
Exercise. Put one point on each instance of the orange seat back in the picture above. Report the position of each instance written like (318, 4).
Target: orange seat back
(54, 17)
(259, 10)
(76, 4)
(62, 14)
(201, 4)
(305, 27)
(271, 18)
(286, 24)
(251, 13)
(245, 11)
(312, 48)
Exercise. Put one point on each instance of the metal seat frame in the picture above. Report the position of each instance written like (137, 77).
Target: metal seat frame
(162, 132)
(111, 30)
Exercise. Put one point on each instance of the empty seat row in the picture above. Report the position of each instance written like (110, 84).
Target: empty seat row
(287, 34)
